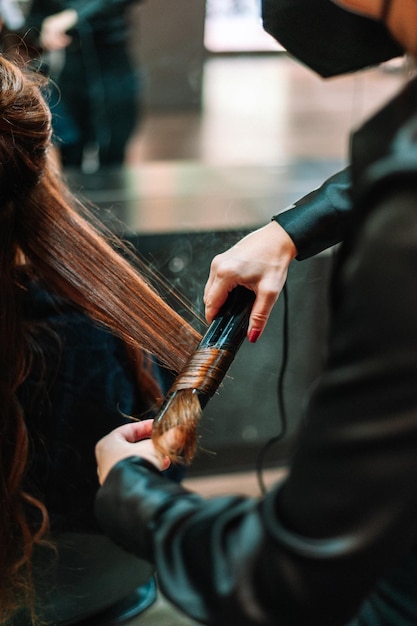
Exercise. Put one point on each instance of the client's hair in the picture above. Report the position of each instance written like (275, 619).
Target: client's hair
(43, 233)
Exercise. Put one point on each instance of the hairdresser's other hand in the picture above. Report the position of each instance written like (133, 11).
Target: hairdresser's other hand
(259, 262)
(128, 440)
(54, 29)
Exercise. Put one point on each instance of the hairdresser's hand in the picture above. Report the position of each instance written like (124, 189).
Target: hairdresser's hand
(128, 440)
(54, 30)
(259, 262)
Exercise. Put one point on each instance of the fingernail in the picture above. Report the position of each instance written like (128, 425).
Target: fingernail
(254, 335)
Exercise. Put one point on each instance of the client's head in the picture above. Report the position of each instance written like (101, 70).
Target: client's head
(25, 131)
(44, 237)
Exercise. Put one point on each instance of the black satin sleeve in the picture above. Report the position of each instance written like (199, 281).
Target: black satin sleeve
(318, 545)
(319, 220)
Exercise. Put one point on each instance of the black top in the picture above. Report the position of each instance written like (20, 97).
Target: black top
(337, 538)
(80, 387)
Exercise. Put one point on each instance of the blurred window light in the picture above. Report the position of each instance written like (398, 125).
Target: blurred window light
(236, 26)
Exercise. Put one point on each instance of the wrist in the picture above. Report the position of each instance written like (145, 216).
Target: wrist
(286, 245)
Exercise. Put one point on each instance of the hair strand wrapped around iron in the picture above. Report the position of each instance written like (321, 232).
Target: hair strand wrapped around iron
(201, 377)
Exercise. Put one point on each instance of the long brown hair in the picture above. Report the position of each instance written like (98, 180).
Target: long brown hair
(40, 222)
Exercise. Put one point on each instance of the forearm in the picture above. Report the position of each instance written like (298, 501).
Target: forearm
(203, 549)
(228, 559)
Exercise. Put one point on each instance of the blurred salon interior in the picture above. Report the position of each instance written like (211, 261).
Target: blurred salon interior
(230, 130)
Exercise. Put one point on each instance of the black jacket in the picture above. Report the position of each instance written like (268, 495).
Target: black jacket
(338, 537)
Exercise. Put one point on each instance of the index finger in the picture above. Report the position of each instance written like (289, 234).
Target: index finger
(135, 431)
(215, 293)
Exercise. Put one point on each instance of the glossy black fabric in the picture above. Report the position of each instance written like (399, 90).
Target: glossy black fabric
(335, 543)
(327, 38)
(320, 219)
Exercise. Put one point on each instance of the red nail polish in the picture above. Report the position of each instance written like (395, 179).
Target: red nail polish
(254, 335)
